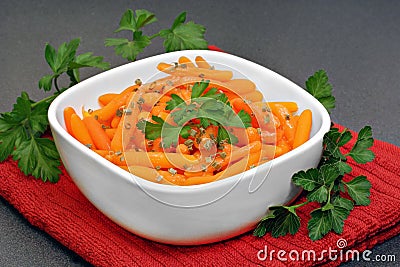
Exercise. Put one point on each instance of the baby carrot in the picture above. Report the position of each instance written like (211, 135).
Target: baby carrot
(200, 179)
(291, 106)
(164, 66)
(115, 121)
(108, 111)
(102, 153)
(186, 61)
(97, 133)
(80, 132)
(202, 63)
(68, 111)
(255, 96)
(106, 98)
(110, 132)
(241, 86)
(303, 128)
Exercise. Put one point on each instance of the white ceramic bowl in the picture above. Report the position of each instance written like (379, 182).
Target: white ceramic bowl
(194, 214)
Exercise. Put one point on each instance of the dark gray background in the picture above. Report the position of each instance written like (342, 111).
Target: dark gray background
(356, 42)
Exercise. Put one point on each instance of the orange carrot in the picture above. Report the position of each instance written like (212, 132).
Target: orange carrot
(102, 153)
(110, 132)
(164, 66)
(252, 134)
(116, 142)
(239, 104)
(68, 111)
(80, 132)
(115, 121)
(106, 98)
(186, 61)
(200, 179)
(108, 111)
(202, 63)
(303, 128)
(241, 86)
(255, 96)
(97, 133)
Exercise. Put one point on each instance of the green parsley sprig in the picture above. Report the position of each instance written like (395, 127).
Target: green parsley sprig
(21, 129)
(211, 108)
(324, 184)
(180, 36)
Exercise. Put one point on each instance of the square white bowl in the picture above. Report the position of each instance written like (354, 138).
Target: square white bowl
(193, 214)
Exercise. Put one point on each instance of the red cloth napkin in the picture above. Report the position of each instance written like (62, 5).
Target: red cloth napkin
(63, 212)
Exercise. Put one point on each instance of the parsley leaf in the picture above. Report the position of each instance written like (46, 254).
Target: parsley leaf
(39, 157)
(64, 60)
(359, 190)
(245, 118)
(199, 88)
(226, 136)
(129, 49)
(174, 102)
(161, 129)
(319, 87)
(360, 152)
(280, 221)
(19, 136)
(183, 36)
(325, 183)
(323, 221)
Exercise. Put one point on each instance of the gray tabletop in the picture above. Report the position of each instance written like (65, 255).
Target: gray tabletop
(356, 42)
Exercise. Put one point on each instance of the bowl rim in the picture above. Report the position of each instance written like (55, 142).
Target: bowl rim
(56, 126)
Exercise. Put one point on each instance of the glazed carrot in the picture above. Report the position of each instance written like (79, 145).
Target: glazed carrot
(219, 75)
(68, 111)
(115, 121)
(106, 98)
(85, 113)
(255, 96)
(253, 134)
(116, 142)
(267, 152)
(238, 104)
(164, 99)
(200, 180)
(159, 159)
(202, 63)
(97, 133)
(116, 158)
(240, 86)
(235, 168)
(102, 153)
(291, 106)
(80, 132)
(244, 151)
(146, 173)
(197, 173)
(303, 128)
(110, 132)
(164, 66)
(186, 61)
(177, 179)
(149, 100)
(183, 149)
(108, 111)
